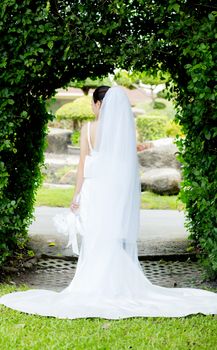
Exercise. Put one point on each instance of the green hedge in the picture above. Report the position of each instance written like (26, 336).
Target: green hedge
(46, 44)
(151, 127)
(22, 155)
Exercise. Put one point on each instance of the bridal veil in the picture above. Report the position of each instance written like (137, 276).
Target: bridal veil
(113, 216)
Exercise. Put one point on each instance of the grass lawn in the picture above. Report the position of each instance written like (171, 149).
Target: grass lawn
(57, 197)
(147, 106)
(20, 331)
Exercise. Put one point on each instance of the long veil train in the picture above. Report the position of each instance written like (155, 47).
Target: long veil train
(109, 281)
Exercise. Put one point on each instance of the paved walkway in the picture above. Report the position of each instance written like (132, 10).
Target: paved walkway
(161, 232)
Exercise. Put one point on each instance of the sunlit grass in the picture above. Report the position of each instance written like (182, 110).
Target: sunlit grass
(151, 200)
(57, 197)
(21, 331)
(168, 111)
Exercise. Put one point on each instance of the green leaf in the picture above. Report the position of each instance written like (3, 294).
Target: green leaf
(176, 7)
(50, 45)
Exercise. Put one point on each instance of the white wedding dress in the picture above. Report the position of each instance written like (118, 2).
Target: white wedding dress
(109, 281)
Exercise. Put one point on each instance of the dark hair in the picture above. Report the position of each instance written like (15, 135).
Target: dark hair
(100, 92)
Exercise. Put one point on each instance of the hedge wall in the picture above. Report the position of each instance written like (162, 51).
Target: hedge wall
(44, 45)
(151, 128)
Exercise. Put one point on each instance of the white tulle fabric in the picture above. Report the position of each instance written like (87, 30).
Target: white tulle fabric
(109, 281)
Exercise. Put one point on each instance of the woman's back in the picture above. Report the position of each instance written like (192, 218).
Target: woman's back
(92, 133)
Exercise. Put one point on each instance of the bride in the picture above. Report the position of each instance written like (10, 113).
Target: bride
(109, 281)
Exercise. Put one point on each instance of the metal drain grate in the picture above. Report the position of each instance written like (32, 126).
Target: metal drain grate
(56, 274)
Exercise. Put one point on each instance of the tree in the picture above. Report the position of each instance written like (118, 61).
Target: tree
(148, 80)
(87, 84)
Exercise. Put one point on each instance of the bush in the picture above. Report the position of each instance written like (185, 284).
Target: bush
(76, 111)
(75, 138)
(159, 105)
(173, 129)
(169, 92)
(151, 127)
(163, 94)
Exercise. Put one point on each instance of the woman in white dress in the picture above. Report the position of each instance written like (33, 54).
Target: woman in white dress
(109, 281)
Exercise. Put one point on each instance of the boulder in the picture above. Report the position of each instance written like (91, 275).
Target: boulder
(164, 141)
(161, 156)
(58, 140)
(161, 180)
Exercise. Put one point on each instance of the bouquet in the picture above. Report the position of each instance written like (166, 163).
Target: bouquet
(70, 225)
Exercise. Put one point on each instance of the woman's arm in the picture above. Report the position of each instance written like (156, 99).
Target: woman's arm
(80, 170)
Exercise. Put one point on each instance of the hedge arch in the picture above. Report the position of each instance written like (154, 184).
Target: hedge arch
(46, 44)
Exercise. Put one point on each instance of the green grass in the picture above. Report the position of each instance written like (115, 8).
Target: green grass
(57, 197)
(169, 110)
(21, 331)
(151, 200)
(54, 197)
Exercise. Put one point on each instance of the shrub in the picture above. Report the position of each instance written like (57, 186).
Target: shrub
(159, 105)
(151, 127)
(76, 111)
(76, 138)
(168, 92)
(173, 129)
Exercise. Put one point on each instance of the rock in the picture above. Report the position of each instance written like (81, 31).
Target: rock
(164, 141)
(73, 150)
(30, 263)
(58, 140)
(161, 180)
(27, 265)
(159, 157)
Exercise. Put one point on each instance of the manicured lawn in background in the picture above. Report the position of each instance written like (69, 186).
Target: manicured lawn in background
(147, 106)
(151, 200)
(56, 197)
(20, 331)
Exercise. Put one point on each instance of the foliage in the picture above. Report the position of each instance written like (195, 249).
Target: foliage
(169, 92)
(152, 78)
(151, 127)
(77, 111)
(159, 105)
(38, 53)
(124, 78)
(130, 79)
(88, 83)
(76, 138)
(45, 45)
(173, 129)
(134, 79)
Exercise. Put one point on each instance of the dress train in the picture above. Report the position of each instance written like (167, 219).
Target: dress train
(109, 281)
(110, 284)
